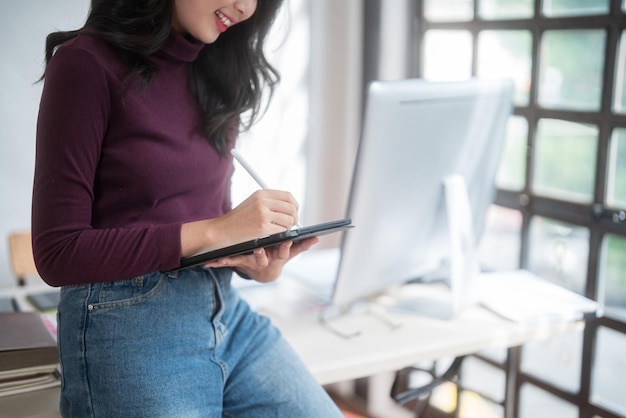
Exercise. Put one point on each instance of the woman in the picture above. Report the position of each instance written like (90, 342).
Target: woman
(139, 112)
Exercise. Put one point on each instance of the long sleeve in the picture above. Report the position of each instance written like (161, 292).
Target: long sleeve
(74, 112)
(117, 169)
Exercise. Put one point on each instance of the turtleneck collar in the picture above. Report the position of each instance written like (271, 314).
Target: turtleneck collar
(179, 48)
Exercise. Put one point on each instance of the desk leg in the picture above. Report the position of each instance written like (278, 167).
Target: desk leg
(379, 401)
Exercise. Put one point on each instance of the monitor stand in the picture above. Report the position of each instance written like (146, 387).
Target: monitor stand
(462, 264)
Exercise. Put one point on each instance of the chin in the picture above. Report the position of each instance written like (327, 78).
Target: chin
(209, 38)
(206, 37)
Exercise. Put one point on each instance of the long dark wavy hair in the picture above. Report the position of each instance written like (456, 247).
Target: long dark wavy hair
(228, 78)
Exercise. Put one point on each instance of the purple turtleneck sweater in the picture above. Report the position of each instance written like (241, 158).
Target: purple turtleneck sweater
(119, 168)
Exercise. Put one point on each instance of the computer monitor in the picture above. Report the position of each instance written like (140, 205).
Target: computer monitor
(426, 162)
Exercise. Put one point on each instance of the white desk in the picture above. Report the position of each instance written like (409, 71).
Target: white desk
(378, 349)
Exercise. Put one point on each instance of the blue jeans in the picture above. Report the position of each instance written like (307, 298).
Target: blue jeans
(179, 344)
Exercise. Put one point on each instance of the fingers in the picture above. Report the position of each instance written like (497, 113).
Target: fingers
(264, 264)
(260, 258)
(284, 251)
(277, 207)
(263, 257)
(282, 222)
(303, 246)
(257, 260)
(284, 201)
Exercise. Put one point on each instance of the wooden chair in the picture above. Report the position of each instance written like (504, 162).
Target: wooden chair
(21, 255)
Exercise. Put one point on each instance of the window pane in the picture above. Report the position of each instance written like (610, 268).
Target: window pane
(507, 54)
(473, 405)
(449, 10)
(444, 397)
(616, 189)
(565, 160)
(607, 381)
(559, 252)
(447, 55)
(506, 9)
(560, 8)
(556, 360)
(613, 276)
(501, 242)
(535, 402)
(512, 169)
(571, 68)
(481, 377)
(619, 104)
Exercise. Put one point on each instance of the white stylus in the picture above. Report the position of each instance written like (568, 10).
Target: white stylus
(248, 168)
(251, 171)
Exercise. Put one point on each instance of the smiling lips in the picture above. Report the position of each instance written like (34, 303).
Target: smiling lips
(223, 22)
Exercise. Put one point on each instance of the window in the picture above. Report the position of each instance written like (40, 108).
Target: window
(619, 105)
(616, 170)
(560, 209)
(608, 371)
(558, 252)
(503, 9)
(556, 360)
(451, 53)
(507, 54)
(448, 10)
(512, 171)
(564, 8)
(536, 402)
(612, 278)
(570, 69)
(565, 160)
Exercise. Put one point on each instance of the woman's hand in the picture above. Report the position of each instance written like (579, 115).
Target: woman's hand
(265, 212)
(265, 264)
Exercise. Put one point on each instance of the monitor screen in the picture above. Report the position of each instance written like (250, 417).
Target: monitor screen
(416, 135)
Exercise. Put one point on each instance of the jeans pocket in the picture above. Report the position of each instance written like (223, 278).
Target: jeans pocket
(127, 292)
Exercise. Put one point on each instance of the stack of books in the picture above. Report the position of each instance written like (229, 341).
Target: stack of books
(28, 354)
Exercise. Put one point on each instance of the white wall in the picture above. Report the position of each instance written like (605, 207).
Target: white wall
(24, 25)
(395, 39)
(334, 128)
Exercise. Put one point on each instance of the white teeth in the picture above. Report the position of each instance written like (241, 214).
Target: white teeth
(226, 21)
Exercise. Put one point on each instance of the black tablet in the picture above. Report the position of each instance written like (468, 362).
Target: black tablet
(296, 234)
